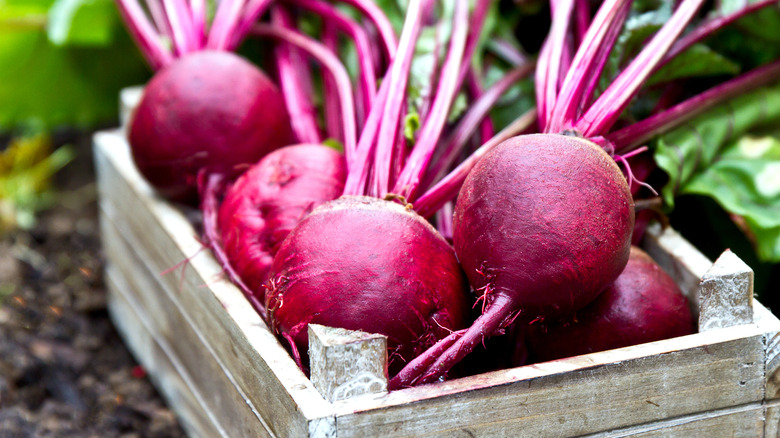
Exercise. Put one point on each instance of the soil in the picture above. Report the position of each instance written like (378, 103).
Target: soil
(64, 371)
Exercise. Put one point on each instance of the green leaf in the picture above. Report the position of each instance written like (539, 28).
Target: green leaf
(728, 154)
(50, 86)
(82, 22)
(746, 181)
(699, 60)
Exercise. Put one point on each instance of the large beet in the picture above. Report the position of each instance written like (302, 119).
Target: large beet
(207, 110)
(362, 263)
(643, 305)
(267, 201)
(542, 225)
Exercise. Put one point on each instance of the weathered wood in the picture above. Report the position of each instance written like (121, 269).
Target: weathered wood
(746, 421)
(226, 404)
(165, 239)
(770, 325)
(169, 379)
(128, 100)
(772, 419)
(579, 395)
(726, 294)
(347, 363)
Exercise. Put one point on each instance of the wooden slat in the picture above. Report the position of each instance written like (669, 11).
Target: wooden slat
(227, 404)
(745, 421)
(174, 385)
(580, 395)
(285, 398)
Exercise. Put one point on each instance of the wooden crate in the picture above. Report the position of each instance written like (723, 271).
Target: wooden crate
(225, 374)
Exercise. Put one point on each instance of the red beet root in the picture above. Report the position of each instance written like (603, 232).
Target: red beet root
(267, 202)
(542, 225)
(362, 263)
(643, 305)
(207, 110)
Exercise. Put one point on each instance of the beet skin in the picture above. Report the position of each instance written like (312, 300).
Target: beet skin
(208, 110)
(643, 305)
(267, 201)
(362, 263)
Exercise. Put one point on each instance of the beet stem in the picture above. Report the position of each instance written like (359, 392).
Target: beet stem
(446, 189)
(396, 95)
(424, 361)
(635, 135)
(368, 78)
(144, 34)
(375, 14)
(605, 111)
(490, 322)
(333, 66)
(414, 169)
(589, 60)
(549, 71)
(478, 111)
(296, 82)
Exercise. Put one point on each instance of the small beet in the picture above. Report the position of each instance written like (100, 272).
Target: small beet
(208, 110)
(362, 263)
(643, 305)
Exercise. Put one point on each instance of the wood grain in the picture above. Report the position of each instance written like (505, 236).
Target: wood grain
(175, 385)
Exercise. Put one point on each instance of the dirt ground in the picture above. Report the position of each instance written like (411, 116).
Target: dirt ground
(64, 371)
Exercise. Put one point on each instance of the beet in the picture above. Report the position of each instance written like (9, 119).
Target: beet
(267, 202)
(643, 305)
(208, 110)
(361, 263)
(542, 225)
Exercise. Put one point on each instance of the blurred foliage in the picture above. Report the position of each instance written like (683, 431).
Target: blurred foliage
(26, 168)
(62, 63)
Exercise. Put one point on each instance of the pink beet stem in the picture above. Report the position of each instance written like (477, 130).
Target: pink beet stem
(226, 18)
(396, 95)
(330, 99)
(365, 56)
(357, 178)
(633, 136)
(180, 21)
(332, 66)
(414, 169)
(491, 321)
(589, 60)
(446, 189)
(252, 12)
(549, 71)
(478, 111)
(375, 14)
(144, 34)
(296, 83)
(605, 111)
(712, 25)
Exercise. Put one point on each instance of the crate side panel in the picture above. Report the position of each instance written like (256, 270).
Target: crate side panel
(165, 320)
(165, 240)
(582, 398)
(193, 417)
